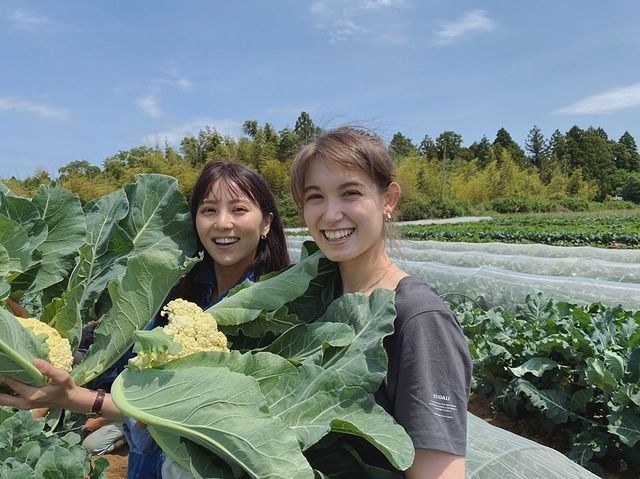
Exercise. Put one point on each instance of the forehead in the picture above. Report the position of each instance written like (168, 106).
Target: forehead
(334, 173)
(226, 190)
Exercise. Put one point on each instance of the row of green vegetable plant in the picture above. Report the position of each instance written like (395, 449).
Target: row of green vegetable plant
(30, 450)
(575, 369)
(566, 230)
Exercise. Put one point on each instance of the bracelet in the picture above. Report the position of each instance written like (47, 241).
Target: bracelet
(96, 409)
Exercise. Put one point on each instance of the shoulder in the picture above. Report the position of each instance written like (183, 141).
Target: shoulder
(413, 295)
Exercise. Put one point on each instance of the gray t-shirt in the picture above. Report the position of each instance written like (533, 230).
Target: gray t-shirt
(429, 373)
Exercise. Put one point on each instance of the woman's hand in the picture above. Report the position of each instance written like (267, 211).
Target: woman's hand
(61, 391)
(58, 392)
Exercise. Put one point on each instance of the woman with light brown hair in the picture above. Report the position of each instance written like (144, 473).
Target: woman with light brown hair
(343, 182)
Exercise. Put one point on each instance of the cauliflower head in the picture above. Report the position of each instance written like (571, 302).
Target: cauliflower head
(189, 326)
(60, 354)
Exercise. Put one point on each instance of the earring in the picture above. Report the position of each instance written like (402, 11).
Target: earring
(263, 237)
(387, 217)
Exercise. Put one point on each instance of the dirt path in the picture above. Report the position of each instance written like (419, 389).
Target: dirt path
(117, 464)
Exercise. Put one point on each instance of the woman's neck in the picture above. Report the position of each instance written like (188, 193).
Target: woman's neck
(226, 278)
(365, 272)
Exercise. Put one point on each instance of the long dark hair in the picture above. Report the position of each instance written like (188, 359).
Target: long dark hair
(272, 254)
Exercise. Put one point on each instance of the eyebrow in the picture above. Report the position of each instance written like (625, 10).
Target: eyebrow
(348, 184)
(242, 199)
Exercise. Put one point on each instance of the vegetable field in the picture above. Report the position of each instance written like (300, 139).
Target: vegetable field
(620, 230)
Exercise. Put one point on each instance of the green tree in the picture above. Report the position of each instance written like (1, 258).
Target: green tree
(449, 141)
(40, 177)
(198, 150)
(270, 134)
(276, 175)
(428, 148)
(483, 151)
(538, 150)
(631, 189)
(304, 128)
(504, 140)
(401, 146)
(558, 155)
(288, 146)
(79, 168)
(598, 161)
(250, 128)
(626, 153)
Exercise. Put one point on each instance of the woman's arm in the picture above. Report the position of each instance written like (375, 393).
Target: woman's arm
(61, 391)
(430, 464)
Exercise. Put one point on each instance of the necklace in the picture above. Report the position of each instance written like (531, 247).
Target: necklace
(378, 279)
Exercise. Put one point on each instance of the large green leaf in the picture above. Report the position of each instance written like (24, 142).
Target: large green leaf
(18, 251)
(157, 217)
(250, 300)
(309, 341)
(18, 349)
(136, 297)
(551, 402)
(535, 366)
(216, 408)
(626, 425)
(101, 260)
(66, 232)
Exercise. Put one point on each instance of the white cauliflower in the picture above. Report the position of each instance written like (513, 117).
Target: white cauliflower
(59, 348)
(188, 326)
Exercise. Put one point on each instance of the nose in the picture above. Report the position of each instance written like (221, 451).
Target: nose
(223, 221)
(333, 211)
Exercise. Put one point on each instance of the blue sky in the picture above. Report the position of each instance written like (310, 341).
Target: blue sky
(83, 80)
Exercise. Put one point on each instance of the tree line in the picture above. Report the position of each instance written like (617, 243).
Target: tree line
(581, 163)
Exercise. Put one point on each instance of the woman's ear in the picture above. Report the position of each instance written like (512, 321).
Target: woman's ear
(391, 197)
(266, 224)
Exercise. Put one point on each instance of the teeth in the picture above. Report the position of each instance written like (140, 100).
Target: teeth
(225, 240)
(338, 234)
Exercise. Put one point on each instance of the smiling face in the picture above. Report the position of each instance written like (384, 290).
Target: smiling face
(229, 226)
(344, 211)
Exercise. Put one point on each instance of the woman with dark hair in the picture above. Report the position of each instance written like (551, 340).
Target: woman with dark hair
(238, 228)
(242, 237)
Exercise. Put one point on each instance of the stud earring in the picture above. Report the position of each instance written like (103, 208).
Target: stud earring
(264, 237)
(387, 217)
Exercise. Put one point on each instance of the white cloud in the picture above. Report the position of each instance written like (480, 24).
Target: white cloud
(175, 78)
(376, 4)
(176, 134)
(343, 29)
(150, 105)
(471, 22)
(350, 19)
(38, 109)
(606, 102)
(21, 20)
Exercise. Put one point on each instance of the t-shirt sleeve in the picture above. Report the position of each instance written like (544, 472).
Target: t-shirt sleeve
(433, 373)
